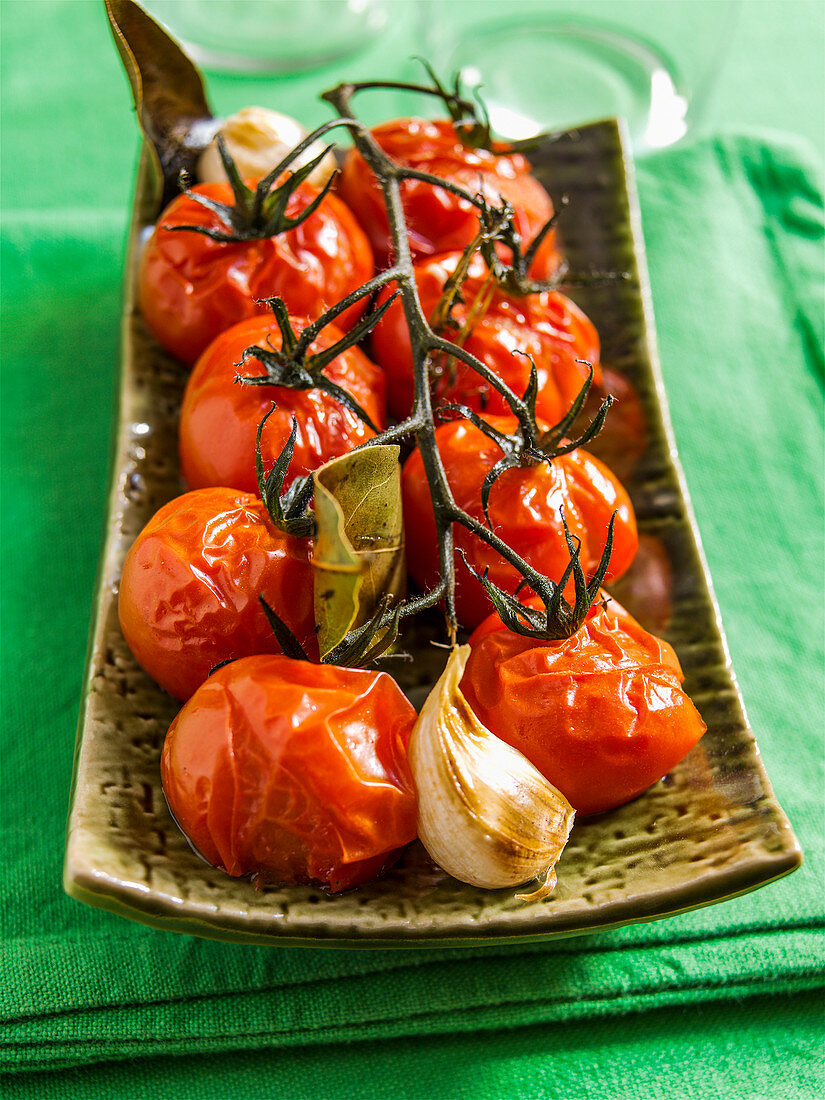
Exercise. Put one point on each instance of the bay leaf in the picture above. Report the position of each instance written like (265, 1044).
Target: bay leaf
(168, 93)
(358, 553)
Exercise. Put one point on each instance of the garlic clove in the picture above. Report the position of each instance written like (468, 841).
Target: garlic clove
(485, 814)
(257, 139)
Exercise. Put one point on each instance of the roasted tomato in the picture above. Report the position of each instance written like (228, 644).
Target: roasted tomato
(602, 715)
(524, 509)
(192, 287)
(219, 417)
(189, 592)
(438, 220)
(293, 772)
(547, 326)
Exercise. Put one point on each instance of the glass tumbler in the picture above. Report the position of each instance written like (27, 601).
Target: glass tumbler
(270, 36)
(551, 64)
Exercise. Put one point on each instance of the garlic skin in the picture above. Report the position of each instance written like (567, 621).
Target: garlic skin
(257, 139)
(485, 814)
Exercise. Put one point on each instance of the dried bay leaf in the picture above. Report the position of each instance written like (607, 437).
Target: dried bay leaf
(168, 92)
(358, 554)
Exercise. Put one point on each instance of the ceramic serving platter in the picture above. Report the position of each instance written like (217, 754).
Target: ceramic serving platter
(710, 830)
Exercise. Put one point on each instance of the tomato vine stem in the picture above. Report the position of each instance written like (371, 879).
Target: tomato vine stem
(420, 425)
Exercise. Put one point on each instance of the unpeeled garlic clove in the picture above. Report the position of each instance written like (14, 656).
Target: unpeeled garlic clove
(485, 814)
(257, 139)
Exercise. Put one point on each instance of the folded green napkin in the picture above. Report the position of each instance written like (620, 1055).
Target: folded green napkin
(734, 235)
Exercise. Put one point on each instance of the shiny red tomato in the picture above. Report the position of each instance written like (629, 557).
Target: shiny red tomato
(524, 511)
(293, 773)
(219, 417)
(189, 592)
(437, 220)
(547, 326)
(602, 715)
(192, 287)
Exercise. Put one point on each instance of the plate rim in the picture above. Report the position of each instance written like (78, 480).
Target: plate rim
(86, 883)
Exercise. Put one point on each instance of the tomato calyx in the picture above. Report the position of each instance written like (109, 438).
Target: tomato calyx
(362, 646)
(289, 511)
(513, 275)
(528, 444)
(492, 221)
(259, 213)
(559, 618)
(292, 367)
(470, 119)
(290, 646)
(365, 644)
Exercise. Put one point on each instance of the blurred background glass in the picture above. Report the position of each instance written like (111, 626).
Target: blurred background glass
(559, 63)
(277, 36)
(538, 64)
(770, 78)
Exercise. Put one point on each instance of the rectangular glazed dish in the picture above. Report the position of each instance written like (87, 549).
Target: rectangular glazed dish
(709, 830)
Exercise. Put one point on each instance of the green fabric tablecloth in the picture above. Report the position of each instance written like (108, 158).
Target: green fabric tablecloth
(723, 1001)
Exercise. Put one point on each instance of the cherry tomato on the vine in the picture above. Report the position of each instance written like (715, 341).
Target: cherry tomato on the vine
(524, 509)
(293, 773)
(189, 591)
(437, 219)
(192, 287)
(547, 326)
(219, 417)
(601, 715)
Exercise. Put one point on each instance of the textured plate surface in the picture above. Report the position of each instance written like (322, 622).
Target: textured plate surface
(709, 830)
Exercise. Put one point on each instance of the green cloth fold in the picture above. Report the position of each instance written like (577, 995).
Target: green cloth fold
(766, 1046)
(406, 995)
(734, 236)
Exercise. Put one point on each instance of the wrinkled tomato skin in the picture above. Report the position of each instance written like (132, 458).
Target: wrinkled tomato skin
(548, 326)
(524, 508)
(437, 220)
(192, 288)
(188, 596)
(219, 417)
(293, 772)
(602, 715)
